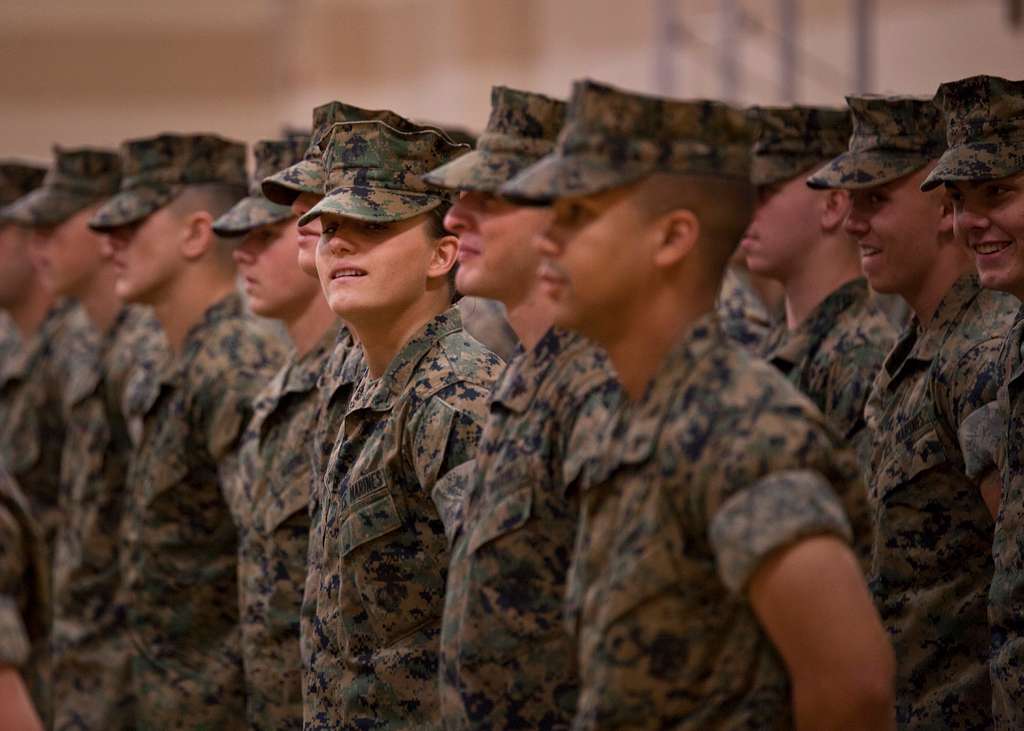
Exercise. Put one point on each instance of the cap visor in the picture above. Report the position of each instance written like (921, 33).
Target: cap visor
(853, 170)
(131, 206)
(305, 176)
(47, 206)
(478, 170)
(374, 204)
(555, 177)
(977, 161)
(248, 214)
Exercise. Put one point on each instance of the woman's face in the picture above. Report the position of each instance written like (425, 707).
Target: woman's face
(374, 271)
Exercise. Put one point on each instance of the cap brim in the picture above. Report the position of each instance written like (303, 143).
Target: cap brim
(47, 206)
(853, 170)
(977, 161)
(479, 171)
(557, 176)
(248, 214)
(374, 204)
(305, 176)
(132, 206)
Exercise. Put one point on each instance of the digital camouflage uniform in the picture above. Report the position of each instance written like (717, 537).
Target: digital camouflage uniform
(744, 316)
(381, 544)
(88, 644)
(31, 419)
(834, 354)
(270, 498)
(24, 590)
(179, 561)
(506, 660)
(271, 510)
(720, 464)
(985, 133)
(929, 514)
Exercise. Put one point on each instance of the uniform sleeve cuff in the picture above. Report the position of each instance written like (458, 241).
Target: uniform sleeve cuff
(774, 512)
(979, 436)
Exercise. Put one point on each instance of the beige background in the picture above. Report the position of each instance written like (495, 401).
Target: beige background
(100, 71)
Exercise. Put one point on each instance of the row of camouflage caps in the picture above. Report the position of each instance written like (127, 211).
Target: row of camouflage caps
(377, 165)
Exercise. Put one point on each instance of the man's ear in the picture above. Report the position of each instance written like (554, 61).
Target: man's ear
(835, 206)
(678, 232)
(197, 235)
(947, 221)
(446, 253)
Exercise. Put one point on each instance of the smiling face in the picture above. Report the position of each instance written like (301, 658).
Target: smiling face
(497, 258)
(373, 273)
(308, 235)
(274, 285)
(69, 255)
(146, 257)
(990, 216)
(897, 227)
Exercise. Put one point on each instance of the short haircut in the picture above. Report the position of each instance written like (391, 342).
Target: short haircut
(215, 199)
(724, 207)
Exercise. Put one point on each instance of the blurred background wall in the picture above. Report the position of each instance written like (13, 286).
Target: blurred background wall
(100, 71)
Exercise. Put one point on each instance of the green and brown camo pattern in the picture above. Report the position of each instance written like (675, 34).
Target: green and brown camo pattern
(157, 168)
(792, 140)
(984, 130)
(78, 179)
(612, 138)
(255, 210)
(522, 129)
(892, 136)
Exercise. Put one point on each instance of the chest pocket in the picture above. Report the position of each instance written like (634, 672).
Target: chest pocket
(288, 500)
(396, 577)
(905, 459)
(510, 514)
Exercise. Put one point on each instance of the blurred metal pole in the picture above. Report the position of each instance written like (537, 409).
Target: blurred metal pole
(666, 44)
(729, 48)
(864, 45)
(789, 24)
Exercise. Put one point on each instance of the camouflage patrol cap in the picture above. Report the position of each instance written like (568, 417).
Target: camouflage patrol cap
(892, 136)
(78, 179)
(156, 169)
(792, 140)
(612, 138)
(307, 174)
(18, 179)
(984, 130)
(375, 170)
(255, 210)
(522, 129)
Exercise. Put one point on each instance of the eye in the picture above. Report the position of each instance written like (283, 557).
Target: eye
(329, 229)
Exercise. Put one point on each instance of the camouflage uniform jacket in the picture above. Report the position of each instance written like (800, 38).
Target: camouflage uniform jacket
(31, 411)
(744, 317)
(180, 558)
(24, 591)
(343, 369)
(834, 355)
(384, 553)
(929, 515)
(10, 340)
(506, 660)
(721, 463)
(1007, 593)
(89, 645)
(270, 505)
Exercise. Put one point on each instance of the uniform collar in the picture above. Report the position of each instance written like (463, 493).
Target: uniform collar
(529, 369)
(790, 347)
(380, 394)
